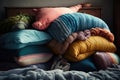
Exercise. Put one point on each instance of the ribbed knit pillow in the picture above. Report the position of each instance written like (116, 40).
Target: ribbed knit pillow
(80, 50)
(33, 55)
(66, 24)
(21, 38)
(105, 59)
(44, 16)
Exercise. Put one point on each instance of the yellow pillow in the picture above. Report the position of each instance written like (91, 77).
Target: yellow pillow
(80, 50)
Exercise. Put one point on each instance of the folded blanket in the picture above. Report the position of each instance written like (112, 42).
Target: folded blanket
(66, 24)
(80, 50)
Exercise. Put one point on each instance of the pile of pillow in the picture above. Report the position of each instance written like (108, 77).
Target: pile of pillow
(28, 43)
(17, 35)
(60, 31)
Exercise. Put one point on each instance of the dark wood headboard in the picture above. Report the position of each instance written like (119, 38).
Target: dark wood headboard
(11, 11)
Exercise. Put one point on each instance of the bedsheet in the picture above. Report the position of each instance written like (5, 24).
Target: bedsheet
(35, 73)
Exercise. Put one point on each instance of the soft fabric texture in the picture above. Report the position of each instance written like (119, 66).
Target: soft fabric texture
(105, 59)
(86, 65)
(66, 24)
(33, 54)
(57, 47)
(80, 50)
(44, 16)
(21, 38)
(60, 63)
(35, 73)
(102, 32)
(62, 47)
(20, 21)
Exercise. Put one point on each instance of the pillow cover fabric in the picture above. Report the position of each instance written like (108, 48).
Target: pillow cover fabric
(21, 38)
(66, 24)
(105, 59)
(80, 50)
(44, 16)
(33, 54)
(86, 65)
(20, 21)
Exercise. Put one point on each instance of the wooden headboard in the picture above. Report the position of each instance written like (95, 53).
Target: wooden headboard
(11, 11)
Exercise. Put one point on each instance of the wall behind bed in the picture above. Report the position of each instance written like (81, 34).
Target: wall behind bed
(106, 5)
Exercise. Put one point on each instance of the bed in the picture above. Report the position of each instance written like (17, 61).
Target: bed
(73, 46)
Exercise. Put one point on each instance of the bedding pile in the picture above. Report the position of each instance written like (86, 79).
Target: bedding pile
(84, 41)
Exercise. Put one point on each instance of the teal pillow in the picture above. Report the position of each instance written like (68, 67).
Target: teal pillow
(21, 38)
(33, 55)
(20, 21)
(66, 24)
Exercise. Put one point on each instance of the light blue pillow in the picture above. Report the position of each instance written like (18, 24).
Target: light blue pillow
(66, 24)
(21, 38)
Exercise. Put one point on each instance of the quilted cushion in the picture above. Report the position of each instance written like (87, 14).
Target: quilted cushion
(21, 38)
(44, 16)
(20, 21)
(80, 50)
(33, 54)
(105, 59)
(66, 24)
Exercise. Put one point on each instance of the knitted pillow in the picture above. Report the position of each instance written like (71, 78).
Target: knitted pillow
(21, 38)
(66, 24)
(44, 16)
(105, 59)
(84, 65)
(20, 21)
(33, 54)
(80, 50)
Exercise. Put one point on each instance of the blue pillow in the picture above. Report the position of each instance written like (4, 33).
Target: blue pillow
(66, 24)
(84, 65)
(21, 38)
(33, 55)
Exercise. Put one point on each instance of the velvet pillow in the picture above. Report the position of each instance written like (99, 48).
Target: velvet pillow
(20, 21)
(33, 55)
(80, 50)
(86, 65)
(21, 38)
(66, 24)
(44, 16)
(105, 59)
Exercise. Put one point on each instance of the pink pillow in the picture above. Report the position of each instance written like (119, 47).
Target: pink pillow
(44, 16)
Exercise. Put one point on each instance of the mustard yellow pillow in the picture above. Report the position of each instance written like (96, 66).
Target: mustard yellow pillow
(80, 50)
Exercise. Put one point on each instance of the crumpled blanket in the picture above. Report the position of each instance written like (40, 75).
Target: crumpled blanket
(35, 73)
